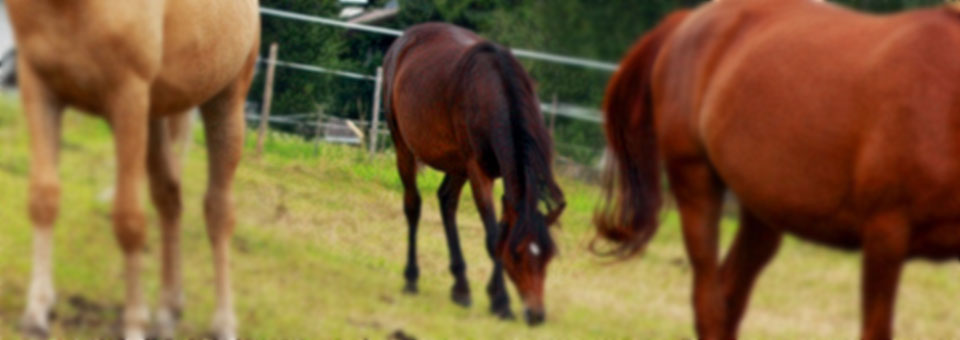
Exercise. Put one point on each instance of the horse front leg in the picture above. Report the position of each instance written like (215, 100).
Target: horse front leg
(43, 115)
(407, 168)
(482, 187)
(885, 245)
(128, 114)
(449, 196)
(699, 197)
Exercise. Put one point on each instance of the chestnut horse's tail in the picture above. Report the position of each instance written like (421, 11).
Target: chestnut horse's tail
(531, 152)
(628, 216)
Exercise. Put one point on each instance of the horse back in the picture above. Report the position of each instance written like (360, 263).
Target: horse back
(83, 50)
(433, 120)
(818, 117)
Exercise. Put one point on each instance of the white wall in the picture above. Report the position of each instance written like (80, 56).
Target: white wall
(6, 32)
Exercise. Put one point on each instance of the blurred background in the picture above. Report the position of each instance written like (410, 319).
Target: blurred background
(599, 31)
(321, 236)
(328, 71)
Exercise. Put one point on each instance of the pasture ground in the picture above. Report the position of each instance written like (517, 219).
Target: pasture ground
(320, 245)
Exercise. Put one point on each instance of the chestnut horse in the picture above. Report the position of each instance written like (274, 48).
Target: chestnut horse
(841, 128)
(465, 106)
(139, 65)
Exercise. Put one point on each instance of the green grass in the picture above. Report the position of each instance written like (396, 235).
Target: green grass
(319, 250)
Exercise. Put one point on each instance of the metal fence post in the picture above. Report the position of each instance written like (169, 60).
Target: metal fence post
(374, 122)
(267, 98)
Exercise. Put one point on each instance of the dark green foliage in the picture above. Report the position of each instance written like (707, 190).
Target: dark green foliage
(595, 29)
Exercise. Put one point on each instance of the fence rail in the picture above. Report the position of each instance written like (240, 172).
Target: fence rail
(376, 128)
(319, 69)
(563, 109)
(561, 59)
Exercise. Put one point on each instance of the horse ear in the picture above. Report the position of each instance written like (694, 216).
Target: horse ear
(554, 214)
(553, 201)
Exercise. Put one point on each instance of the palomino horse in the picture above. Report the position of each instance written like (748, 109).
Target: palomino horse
(838, 127)
(136, 64)
(465, 106)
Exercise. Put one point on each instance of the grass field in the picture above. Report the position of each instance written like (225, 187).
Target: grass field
(320, 244)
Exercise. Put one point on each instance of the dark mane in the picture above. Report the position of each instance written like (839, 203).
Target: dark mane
(531, 154)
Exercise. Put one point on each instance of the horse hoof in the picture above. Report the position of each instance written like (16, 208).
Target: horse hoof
(166, 326)
(134, 334)
(224, 325)
(504, 314)
(216, 335)
(534, 318)
(461, 298)
(35, 326)
(410, 288)
(32, 330)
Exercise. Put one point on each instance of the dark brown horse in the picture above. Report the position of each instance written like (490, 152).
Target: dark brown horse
(839, 127)
(465, 106)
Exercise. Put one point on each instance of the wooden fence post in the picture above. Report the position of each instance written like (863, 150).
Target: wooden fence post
(374, 122)
(267, 98)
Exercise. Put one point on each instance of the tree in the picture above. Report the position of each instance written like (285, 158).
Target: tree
(595, 29)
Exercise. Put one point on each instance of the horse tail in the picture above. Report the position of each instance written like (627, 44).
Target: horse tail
(390, 60)
(632, 193)
(532, 147)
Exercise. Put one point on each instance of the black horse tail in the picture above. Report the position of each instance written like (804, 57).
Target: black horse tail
(531, 156)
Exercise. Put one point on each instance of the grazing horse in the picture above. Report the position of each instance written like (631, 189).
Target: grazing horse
(140, 65)
(838, 127)
(465, 106)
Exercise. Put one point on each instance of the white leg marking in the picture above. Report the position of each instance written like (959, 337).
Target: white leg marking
(224, 320)
(135, 314)
(41, 296)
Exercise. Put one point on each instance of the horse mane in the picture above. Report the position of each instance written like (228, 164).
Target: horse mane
(532, 147)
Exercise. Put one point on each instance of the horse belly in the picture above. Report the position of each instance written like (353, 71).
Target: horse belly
(792, 177)
(787, 152)
(430, 138)
(938, 241)
(423, 113)
(840, 230)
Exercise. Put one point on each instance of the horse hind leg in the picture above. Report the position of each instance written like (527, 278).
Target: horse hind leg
(163, 170)
(449, 196)
(43, 117)
(755, 245)
(407, 168)
(482, 187)
(223, 124)
(699, 196)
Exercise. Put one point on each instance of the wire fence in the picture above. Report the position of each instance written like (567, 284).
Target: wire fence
(308, 124)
